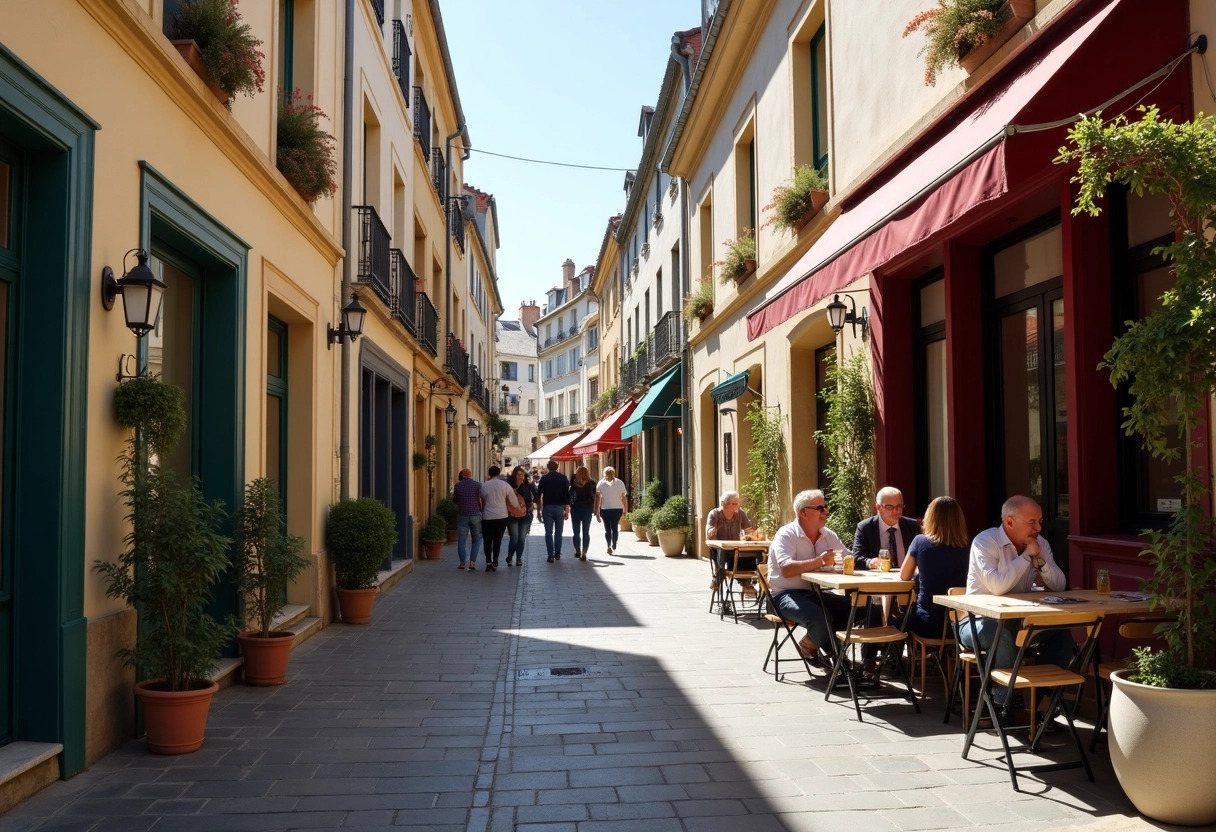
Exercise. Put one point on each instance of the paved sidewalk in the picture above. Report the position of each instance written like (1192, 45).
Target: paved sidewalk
(565, 697)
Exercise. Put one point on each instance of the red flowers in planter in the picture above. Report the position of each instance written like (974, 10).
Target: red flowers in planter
(305, 152)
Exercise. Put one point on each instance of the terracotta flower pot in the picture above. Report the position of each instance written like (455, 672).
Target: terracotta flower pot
(265, 658)
(1020, 11)
(451, 535)
(188, 49)
(175, 721)
(432, 549)
(355, 605)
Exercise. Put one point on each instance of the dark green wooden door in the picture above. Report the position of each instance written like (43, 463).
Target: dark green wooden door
(9, 262)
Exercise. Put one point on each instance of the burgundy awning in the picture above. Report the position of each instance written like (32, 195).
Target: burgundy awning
(606, 436)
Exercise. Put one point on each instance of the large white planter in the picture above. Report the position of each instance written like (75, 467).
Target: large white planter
(671, 541)
(1161, 747)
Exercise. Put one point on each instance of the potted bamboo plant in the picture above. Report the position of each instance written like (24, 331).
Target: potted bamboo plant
(174, 555)
(1165, 702)
(360, 536)
(220, 47)
(267, 560)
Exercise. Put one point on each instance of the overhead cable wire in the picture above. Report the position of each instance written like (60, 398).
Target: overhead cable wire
(549, 161)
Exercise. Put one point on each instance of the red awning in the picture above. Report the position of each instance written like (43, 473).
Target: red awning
(606, 436)
(557, 448)
(962, 169)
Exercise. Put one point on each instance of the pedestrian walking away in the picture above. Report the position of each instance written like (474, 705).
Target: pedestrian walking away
(582, 506)
(495, 496)
(553, 497)
(519, 524)
(611, 503)
(467, 496)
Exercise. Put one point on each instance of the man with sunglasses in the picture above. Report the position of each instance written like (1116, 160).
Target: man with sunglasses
(804, 546)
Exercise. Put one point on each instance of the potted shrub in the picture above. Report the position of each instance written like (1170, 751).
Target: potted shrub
(966, 32)
(304, 153)
(640, 519)
(699, 303)
(220, 46)
(174, 554)
(652, 499)
(796, 201)
(419, 460)
(267, 559)
(740, 260)
(449, 511)
(671, 525)
(433, 535)
(1166, 701)
(360, 536)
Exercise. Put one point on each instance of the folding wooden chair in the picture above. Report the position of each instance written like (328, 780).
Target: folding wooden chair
(966, 665)
(938, 648)
(1133, 629)
(1037, 677)
(887, 636)
(731, 586)
(780, 626)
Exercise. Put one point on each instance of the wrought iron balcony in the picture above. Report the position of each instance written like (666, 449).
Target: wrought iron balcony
(456, 363)
(401, 59)
(422, 122)
(550, 424)
(439, 174)
(574, 419)
(428, 324)
(478, 391)
(373, 263)
(456, 213)
(666, 342)
(405, 305)
(378, 8)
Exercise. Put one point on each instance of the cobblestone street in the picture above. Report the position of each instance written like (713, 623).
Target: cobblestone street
(445, 714)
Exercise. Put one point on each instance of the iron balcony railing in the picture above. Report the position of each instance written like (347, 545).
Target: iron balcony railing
(551, 424)
(428, 324)
(593, 415)
(422, 122)
(439, 174)
(401, 59)
(378, 8)
(457, 361)
(457, 220)
(374, 241)
(405, 304)
(574, 419)
(666, 343)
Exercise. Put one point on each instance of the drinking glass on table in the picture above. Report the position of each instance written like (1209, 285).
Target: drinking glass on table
(1104, 581)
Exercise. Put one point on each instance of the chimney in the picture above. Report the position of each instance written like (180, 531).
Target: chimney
(567, 272)
(529, 314)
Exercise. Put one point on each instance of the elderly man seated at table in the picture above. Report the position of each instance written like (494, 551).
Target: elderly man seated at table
(1009, 559)
(730, 522)
(804, 546)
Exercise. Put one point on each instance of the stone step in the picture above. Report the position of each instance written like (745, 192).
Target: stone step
(26, 768)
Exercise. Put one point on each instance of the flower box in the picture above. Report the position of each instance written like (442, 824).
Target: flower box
(1021, 11)
(189, 50)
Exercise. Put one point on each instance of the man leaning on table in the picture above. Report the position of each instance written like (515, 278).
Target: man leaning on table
(887, 529)
(804, 546)
(1005, 560)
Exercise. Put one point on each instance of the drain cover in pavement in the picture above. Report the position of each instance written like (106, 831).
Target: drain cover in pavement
(549, 672)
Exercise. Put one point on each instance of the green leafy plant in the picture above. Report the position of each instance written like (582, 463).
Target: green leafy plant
(699, 303)
(761, 488)
(1165, 358)
(174, 553)
(673, 516)
(738, 251)
(1162, 669)
(796, 200)
(640, 349)
(499, 429)
(267, 557)
(231, 54)
(955, 27)
(449, 511)
(304, 153)
(652, 498)
(641, 516)
(418, 459)
(849, 439)
(435, 530)
(360, 536)
(604, 398)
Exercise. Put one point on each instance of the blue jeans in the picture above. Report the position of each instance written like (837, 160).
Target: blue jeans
(612, 524)
(580, 518)
(802, 606)
(1054, 647)
(555, 522)
(467, 527)
(517, 534)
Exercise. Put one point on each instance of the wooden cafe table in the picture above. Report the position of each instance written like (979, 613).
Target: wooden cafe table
(758, 548)
(1004, 608)
(831, 579)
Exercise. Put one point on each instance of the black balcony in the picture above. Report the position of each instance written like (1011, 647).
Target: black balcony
(401, 59)
(456, 219)
(422, 122)
(373, 266)
(551, 424)
(428, 324)
(592, 415)
(574, 419)
(439, 174)
(405, 305)
(666, 342)
(378, 8)
(456, 361)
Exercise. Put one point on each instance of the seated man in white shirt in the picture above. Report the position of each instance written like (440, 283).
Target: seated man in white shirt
(1008, 559)
(804, 546)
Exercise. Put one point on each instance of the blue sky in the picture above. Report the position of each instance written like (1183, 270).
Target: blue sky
(563, 80)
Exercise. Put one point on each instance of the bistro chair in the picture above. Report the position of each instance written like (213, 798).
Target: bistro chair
(938, 648)
(966, 665)
(1022, 676)
(887, 636)
(783, 632)
(730, 599)
(1133, 629)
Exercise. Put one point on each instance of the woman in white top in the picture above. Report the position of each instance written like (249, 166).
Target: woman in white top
(611, 501)
(495, 492)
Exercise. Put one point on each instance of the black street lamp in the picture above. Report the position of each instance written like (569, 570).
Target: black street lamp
(839, 315)
(142, 293)
(449, 416)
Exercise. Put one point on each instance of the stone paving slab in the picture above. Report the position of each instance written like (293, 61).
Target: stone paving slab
(593, 696)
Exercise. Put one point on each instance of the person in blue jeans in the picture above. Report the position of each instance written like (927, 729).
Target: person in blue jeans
(467, 495)
(518, 527)
(553, 497)
(582, 505)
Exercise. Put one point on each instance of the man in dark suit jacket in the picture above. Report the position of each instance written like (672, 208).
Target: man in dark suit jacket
(888, 529)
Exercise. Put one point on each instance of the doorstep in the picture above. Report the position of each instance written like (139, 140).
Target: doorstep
(25, 769)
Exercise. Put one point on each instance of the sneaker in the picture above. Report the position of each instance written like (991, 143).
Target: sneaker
(460, 565)
(610, 550)
(508, 560)
(550, 559)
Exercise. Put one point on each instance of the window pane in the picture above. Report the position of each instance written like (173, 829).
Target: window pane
(274, 413)
(1160, 491)
(1060, 397)
(171, 349)
(935, 403)
(933, 303)
(1029, 262)
(819, 96)
(1022, 402)
(273, 355)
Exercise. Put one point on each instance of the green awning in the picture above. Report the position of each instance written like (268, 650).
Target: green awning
(731, 389)
(658, 405)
